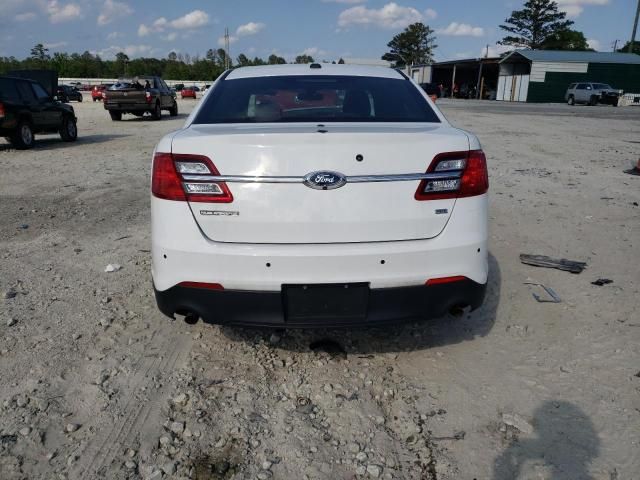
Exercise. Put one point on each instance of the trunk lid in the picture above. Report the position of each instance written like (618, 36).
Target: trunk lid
(295, 213)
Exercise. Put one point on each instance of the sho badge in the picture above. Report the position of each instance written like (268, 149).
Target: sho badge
(325, 180)
(219, 213)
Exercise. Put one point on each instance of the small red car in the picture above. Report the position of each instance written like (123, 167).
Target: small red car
(188, 92)
(96, 92)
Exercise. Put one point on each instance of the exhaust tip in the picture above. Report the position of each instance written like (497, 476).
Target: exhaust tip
(188, 316)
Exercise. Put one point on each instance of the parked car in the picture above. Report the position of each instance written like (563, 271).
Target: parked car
(188, 92)
(65, 94)
(365, 208)
(97, 93)
(432, 90)
(592, 93)
(138, 96)
(26, 108)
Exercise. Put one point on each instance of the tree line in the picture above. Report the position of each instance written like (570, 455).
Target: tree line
(177, 66)
(539, 25)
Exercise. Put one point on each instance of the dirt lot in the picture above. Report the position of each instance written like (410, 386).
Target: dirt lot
(95, 383)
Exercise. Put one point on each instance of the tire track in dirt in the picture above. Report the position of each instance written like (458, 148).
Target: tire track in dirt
(102, 450)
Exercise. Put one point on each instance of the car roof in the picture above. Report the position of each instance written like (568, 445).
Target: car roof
(306, 69)
(9, 77)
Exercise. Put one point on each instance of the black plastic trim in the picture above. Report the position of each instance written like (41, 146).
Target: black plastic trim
(267, 308)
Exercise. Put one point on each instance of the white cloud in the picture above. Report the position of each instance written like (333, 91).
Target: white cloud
(430, 13)
(25, 17)
(390, 16)
(172, 36)
(114, 35)
(250, 28)
(112, 10)
(246, 30)
(55, 45)
(129, 50)
(191, 20)
(143, 30)
(496, 50)
(573, 8)
(461, 30)
(232, 39)
(314, 52)
(593, 43)
(62, 13)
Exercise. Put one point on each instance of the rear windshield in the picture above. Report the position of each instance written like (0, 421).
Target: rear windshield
(315, 99)
(126, 85)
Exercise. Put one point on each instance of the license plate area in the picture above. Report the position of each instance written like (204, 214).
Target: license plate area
(317, 302)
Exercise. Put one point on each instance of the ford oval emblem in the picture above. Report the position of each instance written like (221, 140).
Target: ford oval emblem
(325, 180)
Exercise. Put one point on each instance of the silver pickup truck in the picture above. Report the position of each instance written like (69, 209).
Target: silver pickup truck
(592, 93)
(138, 96)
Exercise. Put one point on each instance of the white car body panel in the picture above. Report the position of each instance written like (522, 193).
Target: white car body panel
(182, 253)
(293, 213)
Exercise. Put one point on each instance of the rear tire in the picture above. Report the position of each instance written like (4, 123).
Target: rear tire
(571, 101)
(95, 99)
(23, 138)
(173, 111)
(156, 113)
(69, 130)
(80, 98)
(116, 116)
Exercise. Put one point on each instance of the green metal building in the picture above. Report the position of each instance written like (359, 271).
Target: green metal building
(540, 76)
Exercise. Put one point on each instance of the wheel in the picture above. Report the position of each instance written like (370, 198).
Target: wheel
(69, 129)
(23, 137)
(95, 99)
(173, 111)
(593, 101)
(116, 116)
(571, 101)
(80, 98)
(156, 113)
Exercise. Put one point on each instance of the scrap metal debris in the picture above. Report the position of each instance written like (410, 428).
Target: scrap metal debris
(551, 295)
(602, 281)
(548, 262)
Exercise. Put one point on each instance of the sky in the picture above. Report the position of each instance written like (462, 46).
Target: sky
(325, 29)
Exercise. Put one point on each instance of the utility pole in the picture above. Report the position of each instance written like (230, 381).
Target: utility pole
(227, 59)
(486, 55)
(615, 45)
(635, 28)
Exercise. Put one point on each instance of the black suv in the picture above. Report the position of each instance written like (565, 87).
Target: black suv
(66, 93)
(26, 108)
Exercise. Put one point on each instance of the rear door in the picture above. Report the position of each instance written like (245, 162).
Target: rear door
(52, 116)
(30, 101)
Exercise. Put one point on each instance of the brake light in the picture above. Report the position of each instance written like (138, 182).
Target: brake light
(469, 176)
(443, 280)
(183, 178)
(2, 112)
(207, 286)
(147, 96)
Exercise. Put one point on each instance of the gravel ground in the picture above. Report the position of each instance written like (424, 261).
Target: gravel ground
(96, 383)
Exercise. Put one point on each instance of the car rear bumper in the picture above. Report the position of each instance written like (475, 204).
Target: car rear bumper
(128, 107)
(270, 309)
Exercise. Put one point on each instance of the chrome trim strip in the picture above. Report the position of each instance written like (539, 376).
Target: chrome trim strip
(403, 177)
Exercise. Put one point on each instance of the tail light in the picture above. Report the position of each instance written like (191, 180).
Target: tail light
(469, 176)
(444, 280)
(187, 178)
(147, 97)
(206, 286)
(2, 112)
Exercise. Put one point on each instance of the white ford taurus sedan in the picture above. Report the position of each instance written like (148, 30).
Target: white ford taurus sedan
(318, 195)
